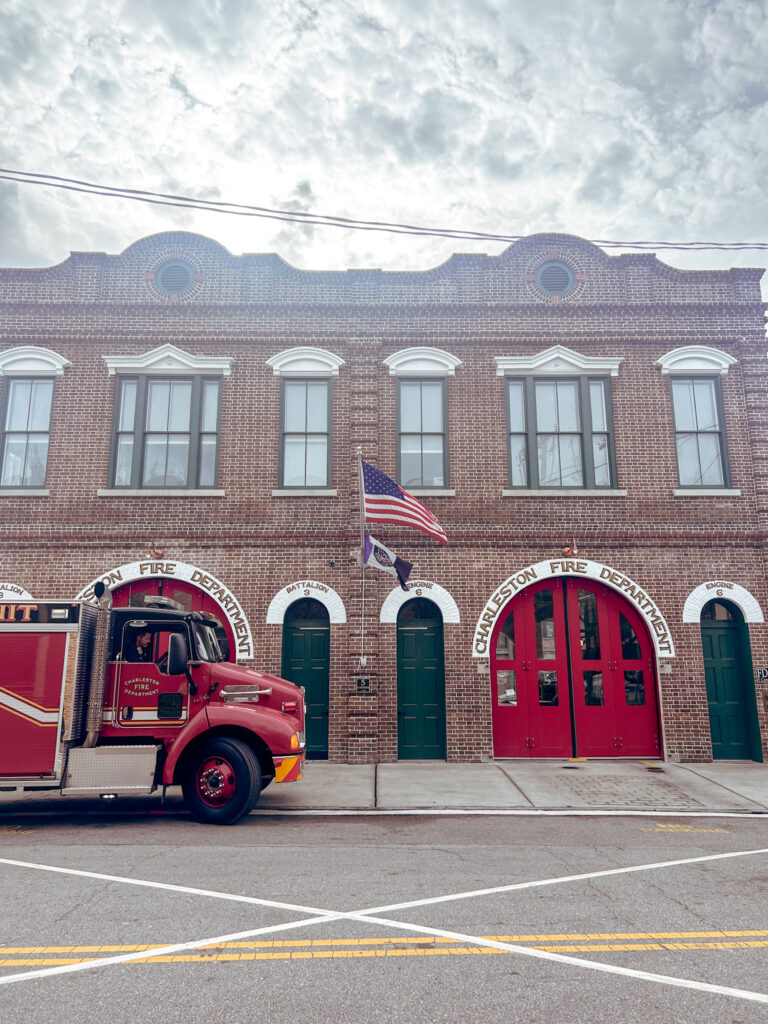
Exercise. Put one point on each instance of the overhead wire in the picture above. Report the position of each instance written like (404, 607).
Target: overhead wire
(332, 220)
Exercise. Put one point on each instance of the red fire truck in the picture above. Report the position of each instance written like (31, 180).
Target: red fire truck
(103, 701)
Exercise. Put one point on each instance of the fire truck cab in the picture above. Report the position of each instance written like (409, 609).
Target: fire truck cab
(109, 701)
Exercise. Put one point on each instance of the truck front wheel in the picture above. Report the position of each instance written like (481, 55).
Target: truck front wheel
(222, 781)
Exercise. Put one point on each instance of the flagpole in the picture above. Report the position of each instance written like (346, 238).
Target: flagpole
(362, 661)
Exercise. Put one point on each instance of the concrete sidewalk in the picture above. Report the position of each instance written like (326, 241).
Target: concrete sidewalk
(520, 785)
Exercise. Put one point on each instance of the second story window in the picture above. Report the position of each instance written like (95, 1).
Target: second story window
(166, 432)
(422, 434)
(305, 451)
(699, 437)
(26, 422)
(560, 433)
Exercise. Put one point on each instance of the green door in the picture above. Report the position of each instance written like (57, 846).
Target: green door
(726, 673)
(306, 662)
(420, 682)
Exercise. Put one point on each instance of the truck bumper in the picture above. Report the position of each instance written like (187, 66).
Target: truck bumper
(289, 769)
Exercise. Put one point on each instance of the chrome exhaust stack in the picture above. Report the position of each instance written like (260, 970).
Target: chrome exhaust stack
(98, 664)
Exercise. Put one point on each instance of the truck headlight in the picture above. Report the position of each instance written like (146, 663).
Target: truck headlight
(297, 741)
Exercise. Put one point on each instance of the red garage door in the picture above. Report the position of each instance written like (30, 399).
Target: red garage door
(572, 671)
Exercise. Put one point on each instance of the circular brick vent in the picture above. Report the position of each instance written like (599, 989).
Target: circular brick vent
(175, 277)
(555, 278)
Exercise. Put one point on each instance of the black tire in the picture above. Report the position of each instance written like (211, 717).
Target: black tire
(222, 781)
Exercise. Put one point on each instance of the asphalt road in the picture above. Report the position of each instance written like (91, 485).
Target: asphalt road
(383, 919)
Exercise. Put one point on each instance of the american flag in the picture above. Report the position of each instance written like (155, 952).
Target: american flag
(387, 502)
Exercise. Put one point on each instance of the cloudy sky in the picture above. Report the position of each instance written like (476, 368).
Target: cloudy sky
(610, 119)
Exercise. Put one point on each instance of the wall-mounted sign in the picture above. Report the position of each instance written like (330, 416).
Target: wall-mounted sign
(519, 580)
(13, 592)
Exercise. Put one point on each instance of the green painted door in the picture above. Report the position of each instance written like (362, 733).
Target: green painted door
(420, 689)
(306, 662)
(724, 671)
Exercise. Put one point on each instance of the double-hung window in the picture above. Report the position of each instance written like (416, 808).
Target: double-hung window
(26, 425)
(305, 450)
(166, 432)
(560, 432)
(422, 434)
(699, 436)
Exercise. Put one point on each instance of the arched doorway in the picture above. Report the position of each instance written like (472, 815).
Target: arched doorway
(420, 681)
(728, 674)
(306, 662)
(572, 674)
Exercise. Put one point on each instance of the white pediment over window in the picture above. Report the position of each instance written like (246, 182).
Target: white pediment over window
(696, 359)
(422, 362)
(556, 361)
(31, 361)
(305, 361)
(169, 360)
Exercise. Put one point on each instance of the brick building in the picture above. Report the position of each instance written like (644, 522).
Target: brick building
(591, 432)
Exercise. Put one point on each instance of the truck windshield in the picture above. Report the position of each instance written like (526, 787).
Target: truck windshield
(207, 645)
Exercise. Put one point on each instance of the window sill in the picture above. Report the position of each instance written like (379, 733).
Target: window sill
(563, 492)
(432, 492)
(707, 492)
(159, 492)
(24, 492)
(305, 492)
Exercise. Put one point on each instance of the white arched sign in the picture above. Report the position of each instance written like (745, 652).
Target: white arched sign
(321, 592)
(705, 592)
(395, 600)
(522, 578)
(222, 595)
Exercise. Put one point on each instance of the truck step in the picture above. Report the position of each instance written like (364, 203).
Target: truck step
(110, 770)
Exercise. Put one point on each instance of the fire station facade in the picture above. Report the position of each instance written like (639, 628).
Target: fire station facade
(591, 432)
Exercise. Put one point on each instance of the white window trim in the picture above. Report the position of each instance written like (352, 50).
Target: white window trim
(305, 361)
(169, 361)
(556, 362)
(422, 361)
(696, 359)
(32, 361)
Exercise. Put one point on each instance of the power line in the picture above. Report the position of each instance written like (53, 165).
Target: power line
(329, 220)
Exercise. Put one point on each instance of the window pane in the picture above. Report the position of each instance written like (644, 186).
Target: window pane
(597, 405)
(506, 683)
(688, 460)
(518, 461)
(571, 474)
(706, 406)
(154, 461)
(593, 689)
(709, 459)
(568, 406)
(410, 469)
(317, 407)
(545, 624)
(432, 407)
(410, 407)
(432, 462)
(630, 645)
(210, 410)
(207, 469)
(40, 405)
(634, 687)
(178, 462)
(549, 460)
(546, 407)
(18, 405)
(317, 462)
(548, 689)
(505, 642)
(516, 398)
(293, 462)
(37, 457)
(124, 460)
(158, 400)
(127, 405)
(600, 460)
(588, 626)
(13, 460)
(181, 402)
(295, 398)
(682, 398)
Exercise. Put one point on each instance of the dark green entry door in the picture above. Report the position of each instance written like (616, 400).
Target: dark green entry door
(420, 681)
(306, 662)
(727, 670)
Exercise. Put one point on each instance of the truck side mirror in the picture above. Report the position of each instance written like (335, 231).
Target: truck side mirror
(178, 655)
